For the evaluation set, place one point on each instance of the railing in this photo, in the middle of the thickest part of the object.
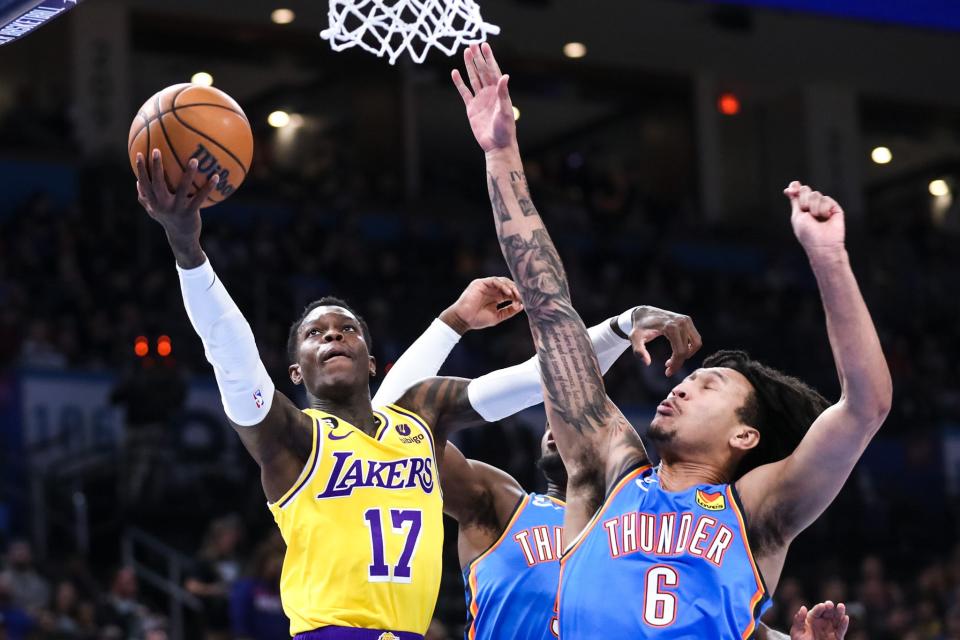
(167, 580)
(46, 513)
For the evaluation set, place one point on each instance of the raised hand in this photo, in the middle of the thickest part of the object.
(485, 302)
(177, 212)
(824, 622)
(817, 219)
(487, 99)
(651, 322)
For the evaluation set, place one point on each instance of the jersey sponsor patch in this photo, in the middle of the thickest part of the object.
(711, 501)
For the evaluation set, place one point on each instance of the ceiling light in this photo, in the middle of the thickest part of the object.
(939, 188)
(574, 49)
(282, 16)
(278, 119)
(881, 155)
(202, 78)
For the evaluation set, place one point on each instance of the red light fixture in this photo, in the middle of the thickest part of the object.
(141, 346)
(728, 104)
(164, 346)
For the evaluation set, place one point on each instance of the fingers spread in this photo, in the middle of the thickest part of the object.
(487, 52)
(201, 196)
(468, 59)
(186, 182)
(461, 87)
(487, 77)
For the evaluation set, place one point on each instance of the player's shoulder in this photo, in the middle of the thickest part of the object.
(398, 413)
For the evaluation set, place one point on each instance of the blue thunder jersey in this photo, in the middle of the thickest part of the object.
(511, 587)
(658, 564)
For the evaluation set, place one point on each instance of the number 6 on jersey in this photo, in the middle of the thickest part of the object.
(407, 521)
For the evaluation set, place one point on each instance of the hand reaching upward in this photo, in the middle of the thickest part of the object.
(824, 622)
(486, 302)
(487, 99)
(817, 219)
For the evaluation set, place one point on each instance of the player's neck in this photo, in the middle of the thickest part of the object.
(354, 408)
(556, 491)
(679, 475)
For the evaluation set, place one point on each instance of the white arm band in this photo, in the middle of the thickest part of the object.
(422, 359)
(503, 393)
(245, 388)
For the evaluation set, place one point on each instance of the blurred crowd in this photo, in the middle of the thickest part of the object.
(236, 586)
(78, 283)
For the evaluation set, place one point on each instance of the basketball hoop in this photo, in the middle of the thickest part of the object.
(390, 27)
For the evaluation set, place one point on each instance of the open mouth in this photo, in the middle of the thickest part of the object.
(334, 354)
(667, 408)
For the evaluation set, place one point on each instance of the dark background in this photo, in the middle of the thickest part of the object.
(377, 195)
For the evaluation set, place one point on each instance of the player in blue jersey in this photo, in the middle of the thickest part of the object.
(749, 457)
(508, 539)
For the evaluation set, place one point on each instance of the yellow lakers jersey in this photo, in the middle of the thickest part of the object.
(364, 527)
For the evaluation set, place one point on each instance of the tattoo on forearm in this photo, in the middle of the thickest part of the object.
(518, 180)
(571, 374)
(496, 199)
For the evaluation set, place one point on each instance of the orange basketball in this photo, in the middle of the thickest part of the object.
(191, 121)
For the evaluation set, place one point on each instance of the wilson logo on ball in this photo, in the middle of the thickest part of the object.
(208, 165)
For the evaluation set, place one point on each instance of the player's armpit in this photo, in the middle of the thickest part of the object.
(783, 498)
(480, 497)
(444, 404)
(280, 445)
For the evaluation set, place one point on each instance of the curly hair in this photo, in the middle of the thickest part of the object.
(780, 407)
(293, 341)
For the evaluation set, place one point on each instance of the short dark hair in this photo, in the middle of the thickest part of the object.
(326, 301)
(780, 407)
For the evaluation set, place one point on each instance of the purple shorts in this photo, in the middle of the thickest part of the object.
(353, 633)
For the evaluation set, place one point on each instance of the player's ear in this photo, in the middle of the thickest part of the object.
(296, 376)
(745, 438)
(373, 367)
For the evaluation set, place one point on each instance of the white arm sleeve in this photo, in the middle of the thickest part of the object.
(245, 388)
(422, 359)
(503, 393)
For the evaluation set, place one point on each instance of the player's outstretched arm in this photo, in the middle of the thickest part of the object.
(486, 302)
(593, 437)
(273, 430)
(787, 496)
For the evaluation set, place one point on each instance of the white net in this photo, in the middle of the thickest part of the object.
(390, 27)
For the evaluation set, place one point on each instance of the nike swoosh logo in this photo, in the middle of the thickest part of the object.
(334, 436)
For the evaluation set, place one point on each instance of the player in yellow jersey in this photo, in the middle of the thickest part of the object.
(354, 490)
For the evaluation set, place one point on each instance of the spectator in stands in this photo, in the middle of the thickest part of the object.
(256, 612)
(216, 569)
(151, 394)
(28, 588)
(63, 621)
(121, 615)
(15, 623)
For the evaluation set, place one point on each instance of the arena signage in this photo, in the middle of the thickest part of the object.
(19, 17)
(937, 14)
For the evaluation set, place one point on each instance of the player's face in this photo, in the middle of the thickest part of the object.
(701, 413)
(332, 354)
(547, 445)
(550, 462)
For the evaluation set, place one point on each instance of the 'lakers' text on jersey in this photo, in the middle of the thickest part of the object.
(680, 559)
(363, 527)
(512, 586)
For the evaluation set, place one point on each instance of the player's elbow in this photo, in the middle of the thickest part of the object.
(869, 413)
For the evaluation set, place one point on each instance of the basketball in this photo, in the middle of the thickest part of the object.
(189, 121)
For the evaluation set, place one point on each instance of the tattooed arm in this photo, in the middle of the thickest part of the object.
(596, 441)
